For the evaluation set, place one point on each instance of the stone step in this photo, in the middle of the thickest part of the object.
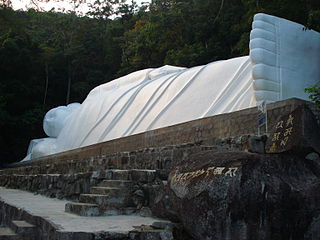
(89, 210)
(8, 234)
(123, 211)
(116, 183)
(136, 175)
(110, 191)
(149, 232)
(23, 227)
(142, 175)
(105, 201)
(83, 209)
(117, 174)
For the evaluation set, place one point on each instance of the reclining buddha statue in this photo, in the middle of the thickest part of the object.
(284, 59)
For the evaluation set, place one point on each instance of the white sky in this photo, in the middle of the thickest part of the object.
(59, 5)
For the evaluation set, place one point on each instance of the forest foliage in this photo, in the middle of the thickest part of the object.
(49, 59)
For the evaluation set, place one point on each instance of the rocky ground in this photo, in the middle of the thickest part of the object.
(239, 195)
(235, 188)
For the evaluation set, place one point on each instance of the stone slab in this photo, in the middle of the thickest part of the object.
(22, 224)
(8, 234)
(104, 201)
(5, 231)
(83, 209)
(23, 227)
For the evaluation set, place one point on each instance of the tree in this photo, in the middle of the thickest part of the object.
(5, 4)
(314, 94)
(20, 91)
(46, 56)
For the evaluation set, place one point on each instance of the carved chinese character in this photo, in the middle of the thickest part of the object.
(209, 171)
(176, 178)
(284, 141)
(290, 120)
(198, 173)
(279, 124)
(273, 147)
(288, 131)
(276, 136)
(231, 172)
(184, 176)
(218, 170)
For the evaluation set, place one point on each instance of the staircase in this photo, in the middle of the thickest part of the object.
(18, 230)
(113, 196)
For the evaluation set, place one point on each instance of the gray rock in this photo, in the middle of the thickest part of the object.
(313, 156)
(238, 195)
(256, 144)
(145, 212)
(139, 193)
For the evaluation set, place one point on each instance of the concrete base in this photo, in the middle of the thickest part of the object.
(52, 222)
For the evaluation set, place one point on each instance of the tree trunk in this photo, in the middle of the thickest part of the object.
(47, 84)
(69, 84)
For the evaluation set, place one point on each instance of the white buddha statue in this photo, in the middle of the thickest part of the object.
(284, 60)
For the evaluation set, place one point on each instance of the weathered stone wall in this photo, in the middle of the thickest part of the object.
(67, 186)
(147, 158)
(71, 178)
(70, 186)
(153, 145)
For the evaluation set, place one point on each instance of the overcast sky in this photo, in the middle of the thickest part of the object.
(57, 4)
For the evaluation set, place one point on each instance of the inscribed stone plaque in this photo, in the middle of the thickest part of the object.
(297, 130)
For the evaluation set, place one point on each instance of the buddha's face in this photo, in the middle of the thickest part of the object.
(55, 119)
